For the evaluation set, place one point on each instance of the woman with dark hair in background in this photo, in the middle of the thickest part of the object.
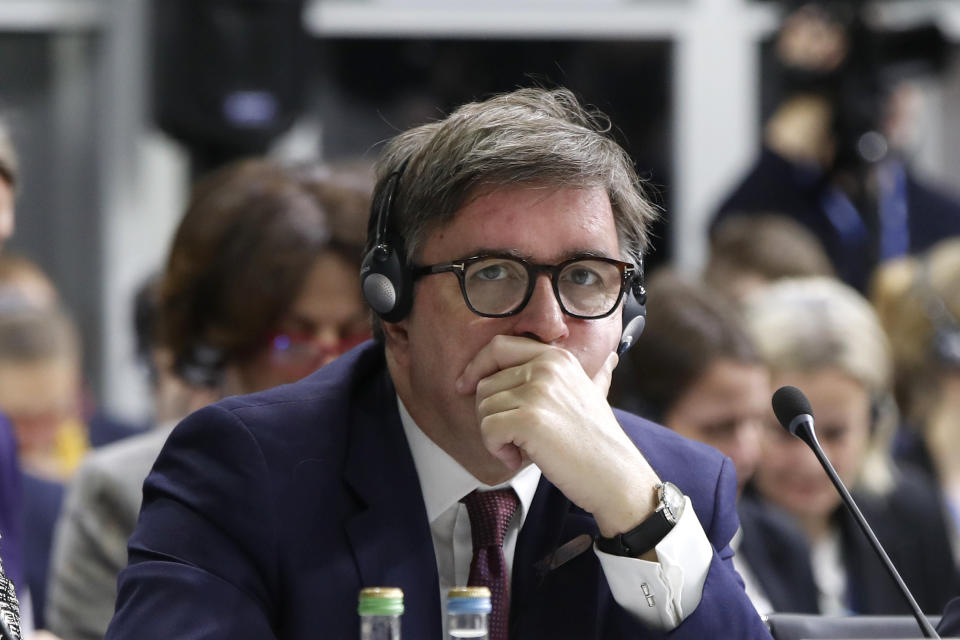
(256, 293)
(695, 370)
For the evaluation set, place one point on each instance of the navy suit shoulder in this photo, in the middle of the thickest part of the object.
(265, 514)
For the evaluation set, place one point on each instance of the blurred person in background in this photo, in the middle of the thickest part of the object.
(821, 336)
(696, 370)
(40, 389)
(748, 252)
(918, 302)
(11, 500)
(836, 146)
(40, 392)
(257, 292)
(23, 283)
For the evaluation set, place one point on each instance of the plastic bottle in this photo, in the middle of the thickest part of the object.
(468, 609)
(380, 609)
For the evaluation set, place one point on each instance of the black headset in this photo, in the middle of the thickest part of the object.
(387, 281)
(385, 278)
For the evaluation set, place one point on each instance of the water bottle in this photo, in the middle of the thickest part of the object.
(467, 611)
(380, 609)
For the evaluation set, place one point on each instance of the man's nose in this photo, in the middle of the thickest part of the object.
(542, 319)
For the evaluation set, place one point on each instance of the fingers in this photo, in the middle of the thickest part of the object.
(510, 455)
(603, 377)
(498, 437)
(501, 353)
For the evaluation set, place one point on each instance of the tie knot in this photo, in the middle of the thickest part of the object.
(490, 513)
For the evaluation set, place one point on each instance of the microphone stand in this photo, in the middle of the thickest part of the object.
(806, 433)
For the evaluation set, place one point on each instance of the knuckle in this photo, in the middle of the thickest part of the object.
(483, 406)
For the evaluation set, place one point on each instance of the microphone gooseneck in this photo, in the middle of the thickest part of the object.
(795, 414)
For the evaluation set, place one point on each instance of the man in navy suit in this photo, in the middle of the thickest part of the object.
(503, 243)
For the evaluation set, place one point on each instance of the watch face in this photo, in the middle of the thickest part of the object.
(673, 501)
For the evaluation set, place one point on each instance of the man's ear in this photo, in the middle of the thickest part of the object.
(397, 341)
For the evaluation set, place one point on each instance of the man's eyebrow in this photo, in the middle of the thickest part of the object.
(514, 253)
(584, 253)
(500, 251)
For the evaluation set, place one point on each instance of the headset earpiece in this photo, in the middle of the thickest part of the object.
(201, 366)
(946, 326)
(386, 282)
(385, 279)
(634, 313)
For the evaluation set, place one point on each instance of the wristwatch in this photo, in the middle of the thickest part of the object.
(646, 535)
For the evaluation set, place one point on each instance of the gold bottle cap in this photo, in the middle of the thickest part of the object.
(382, 601)
(469, 592)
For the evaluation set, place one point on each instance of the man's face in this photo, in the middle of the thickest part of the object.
(430, 349)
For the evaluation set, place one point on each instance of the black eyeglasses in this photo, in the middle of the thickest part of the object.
(496, 286)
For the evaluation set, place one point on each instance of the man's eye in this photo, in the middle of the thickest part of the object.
(497, 271)
(493, 272)
(582, 277)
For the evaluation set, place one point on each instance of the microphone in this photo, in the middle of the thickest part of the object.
(793, 411)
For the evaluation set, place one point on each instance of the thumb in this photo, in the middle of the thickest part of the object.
(605, 374)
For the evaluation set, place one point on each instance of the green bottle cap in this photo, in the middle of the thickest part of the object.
(380, 601)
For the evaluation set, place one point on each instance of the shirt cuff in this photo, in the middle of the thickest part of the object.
(662, 594)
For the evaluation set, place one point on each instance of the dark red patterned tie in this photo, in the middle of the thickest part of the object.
(490, 513)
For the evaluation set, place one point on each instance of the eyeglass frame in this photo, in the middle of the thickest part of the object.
(629, 274)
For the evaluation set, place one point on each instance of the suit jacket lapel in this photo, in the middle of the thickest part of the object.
(389, 534)
(552, 522)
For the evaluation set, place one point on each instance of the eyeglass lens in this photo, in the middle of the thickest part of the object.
(586, 287)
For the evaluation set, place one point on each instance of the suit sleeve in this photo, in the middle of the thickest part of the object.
(200, 556)
(724, 605)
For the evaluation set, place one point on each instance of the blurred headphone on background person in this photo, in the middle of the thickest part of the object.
(202, 365)
(946, 326)
(387, 280)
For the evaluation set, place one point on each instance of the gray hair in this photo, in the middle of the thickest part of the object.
(528, 137)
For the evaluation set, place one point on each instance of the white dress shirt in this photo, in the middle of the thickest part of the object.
(830, 574)
(661, 594)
